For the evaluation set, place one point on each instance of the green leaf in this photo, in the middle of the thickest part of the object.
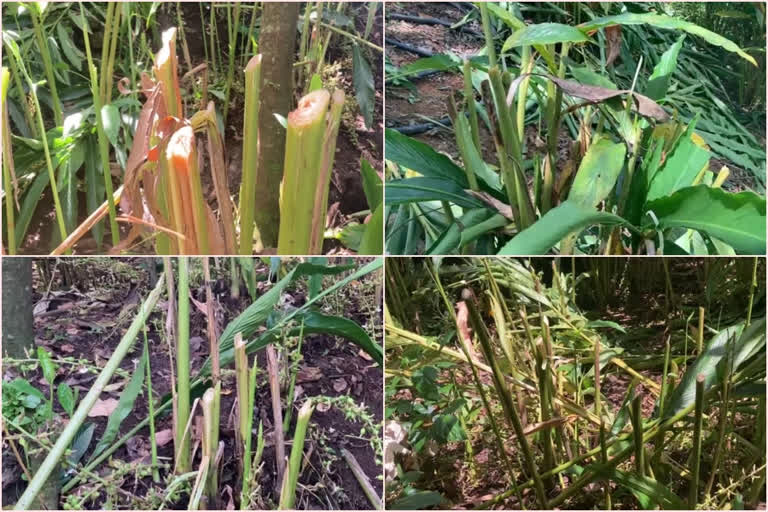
(72, 52)
(110, 117)
(29, 205)
(736, 219)
(362, 78)
(446, 428)
(22, 386)
(747, 342)
(417, 500)
(597, 173)
(544, 33)
(558, 223)
(81, 442)
(250, 320)
(439, 62)
(373, 237)
(681, 168)
(658, 82)
(67, 183)
(419, 157)
(667, 22)
(605, 323)
(506, 16)
(647, 490)
(66, 397)
(94, 186)
(351, 235)
(124, 407)
(372, 185)
(46, 365)
(474, 161)
(416, 190)
(473, 224)
(425, 383)
(315, 84)
(587, 75)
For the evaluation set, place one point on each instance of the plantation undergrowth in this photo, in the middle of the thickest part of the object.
(612, 128)
(79, 437)
(575, 383)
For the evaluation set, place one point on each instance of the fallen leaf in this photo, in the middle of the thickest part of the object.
(323, 407)
(103, 408)
(362, 353)
(339, 385)
(164, 437)
(613, 39)
(309, 374)
(67, 348)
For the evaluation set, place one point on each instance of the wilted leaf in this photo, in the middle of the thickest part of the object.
(103, 408)
(613, 42)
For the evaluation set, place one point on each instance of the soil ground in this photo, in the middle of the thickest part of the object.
(80, 316)
(355, 141)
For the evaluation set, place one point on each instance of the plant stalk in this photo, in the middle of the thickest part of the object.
(182, 446)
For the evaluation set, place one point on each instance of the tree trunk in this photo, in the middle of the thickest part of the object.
(18, 331)
(277, 45)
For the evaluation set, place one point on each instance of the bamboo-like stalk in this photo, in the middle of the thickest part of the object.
(232, 33)
(43, 138)
(604, 459)
(22, 97)
(723, 420)
(277, 411)
(151, 408)
(189, 207)
(210, 440)
(752, 289)
(693, 494)
(42, 44)
(250, 154)
(166, 71)
(637, 433)
(466, 356)
(109, 52)
(490, 47)
(8, 171)
(102, 136)
(300, 79)
(659, 443)
(310, 146)
(86, 404)
(700, 334)
(505, 396)
(292, 386)
(545, 389)
(182, 442)
(291, 478)
(245, 415)
(362, 479)
(212, 483)
(469, 97)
